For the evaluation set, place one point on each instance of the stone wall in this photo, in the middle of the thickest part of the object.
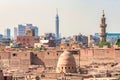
(23, 59)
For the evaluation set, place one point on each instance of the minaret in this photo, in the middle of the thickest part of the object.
(103, 26)
(57, 24)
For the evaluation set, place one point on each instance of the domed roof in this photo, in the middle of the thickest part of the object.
(66, 58)
(66, 62)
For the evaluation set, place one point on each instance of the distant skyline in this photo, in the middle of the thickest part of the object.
(76, 16)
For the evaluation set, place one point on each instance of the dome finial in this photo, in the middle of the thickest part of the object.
(103, 13)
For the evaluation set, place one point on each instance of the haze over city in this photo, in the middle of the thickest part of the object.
(76, 16)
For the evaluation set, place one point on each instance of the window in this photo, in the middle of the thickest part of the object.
(57, 54)
(68, 67)
(67, 44)
(14, 54)
(62, 67)
(48, 53)
(72, 67)
(35, 54)
(65, 67)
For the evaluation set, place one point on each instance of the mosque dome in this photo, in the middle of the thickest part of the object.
(66, 63)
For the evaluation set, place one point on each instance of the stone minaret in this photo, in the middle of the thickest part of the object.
(103, 26)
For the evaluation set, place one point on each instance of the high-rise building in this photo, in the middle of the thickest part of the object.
(21, 30)
(7, 33)
(1, 37)
(35, 30)
(50, 36)
(15, 33)
(57, 25)
(103, 26)
(30, 32)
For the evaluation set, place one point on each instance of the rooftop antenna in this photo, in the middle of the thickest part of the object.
(57, 10)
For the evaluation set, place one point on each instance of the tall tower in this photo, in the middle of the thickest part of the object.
(15, 32)
(103, 26)
(57, 25)
(8, 33)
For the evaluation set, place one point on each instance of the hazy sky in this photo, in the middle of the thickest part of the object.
(76, 16)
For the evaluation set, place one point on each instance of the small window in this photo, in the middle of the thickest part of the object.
(14, 54)
(48, 53)
(57, 54)
(35, 54)
(62, 67)
(68, 67)
(67, 44)
(72, 67)
(65, 67)
(31, 52)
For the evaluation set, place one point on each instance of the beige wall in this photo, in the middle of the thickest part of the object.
(50, 57)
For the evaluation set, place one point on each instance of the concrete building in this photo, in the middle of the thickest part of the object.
(29, 39)
(1, 37)
(30, 32)
(22, 28)
(49, 36)
(7, 33)
(57, 25)
(15, 33)
(103, 26)
(36, 30)
(93, 40)
(111, 37)
(81, 39)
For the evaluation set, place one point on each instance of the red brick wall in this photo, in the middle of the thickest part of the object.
(28, 40)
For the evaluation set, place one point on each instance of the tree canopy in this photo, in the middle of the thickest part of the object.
(118, 42)
(104, 44)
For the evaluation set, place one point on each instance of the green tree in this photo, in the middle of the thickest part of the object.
(104, 44)
(1, 49)
(118, 42)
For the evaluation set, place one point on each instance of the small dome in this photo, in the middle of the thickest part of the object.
(66, 63)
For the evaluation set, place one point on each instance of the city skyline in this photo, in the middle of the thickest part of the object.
(76, 16)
